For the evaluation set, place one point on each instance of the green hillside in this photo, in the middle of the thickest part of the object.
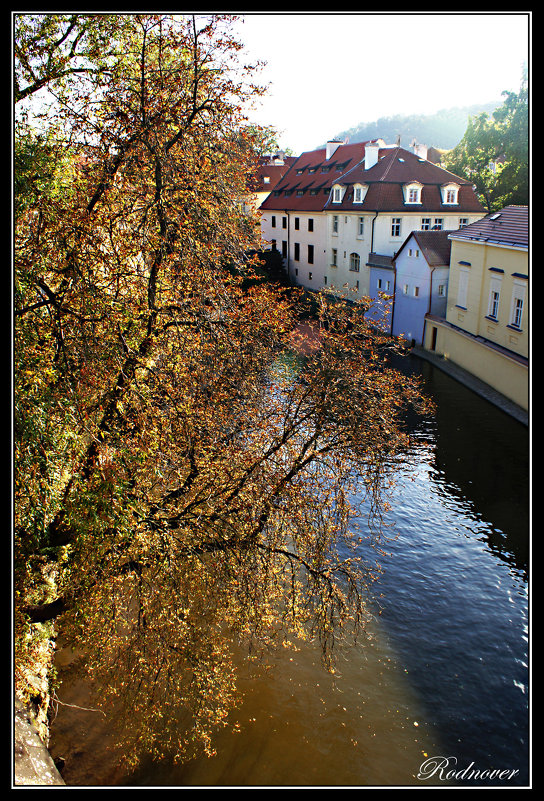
(442, 130)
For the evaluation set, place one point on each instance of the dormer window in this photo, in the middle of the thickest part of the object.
(412, 192)
(337, 193)
(359, 192)
(450, 194)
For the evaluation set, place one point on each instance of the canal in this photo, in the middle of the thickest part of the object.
(440, 689)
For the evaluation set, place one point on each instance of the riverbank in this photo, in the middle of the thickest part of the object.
(33, 764)
(471, 382)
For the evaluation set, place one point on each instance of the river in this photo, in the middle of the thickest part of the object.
(440, 690)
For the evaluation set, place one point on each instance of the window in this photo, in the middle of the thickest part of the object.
(494, 303)
(412, 192)
(266, 179)
(354, 262)
(335, 224)
(297, 252)
(284, 249)
(405, 289)
(273, 244)
(310, 254)
(336, 194)
(416, 292)
(517, 312)
(297, 223)
(310, 276)
(426, 224)
(284, 222)
(361, 226)
(441, 289)
(494, 297)
(383, 285)
(462, 289)
(300, 192)
(438, 223)
(273, 221)
(463, 221)
(395, 226)
(450, 193)
(359, 193)
(310, 224)
(334, 262)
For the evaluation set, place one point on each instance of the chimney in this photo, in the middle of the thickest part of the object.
(331, 148)
(419, 150)
(371, 154)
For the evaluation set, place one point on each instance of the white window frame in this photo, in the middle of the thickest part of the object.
(412, 193)
(359, 193)
(361, 226)
(494, 298)
(450, 194)
(337, 193)
(396, 227)
(335, 224)
(517, 305)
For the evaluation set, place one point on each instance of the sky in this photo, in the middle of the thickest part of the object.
(329, 72)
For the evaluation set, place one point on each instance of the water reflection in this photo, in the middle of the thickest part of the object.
(481, 458)
(449, 650)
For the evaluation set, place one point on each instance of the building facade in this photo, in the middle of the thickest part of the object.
(347, 204)
(421, 270)
(374, 207)
(486, 326)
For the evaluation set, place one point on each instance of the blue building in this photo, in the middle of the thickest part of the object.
(381, 290)
(421, 269)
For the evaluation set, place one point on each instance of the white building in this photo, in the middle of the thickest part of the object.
(363, 201)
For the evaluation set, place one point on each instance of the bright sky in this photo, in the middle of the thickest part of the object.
(330, 72)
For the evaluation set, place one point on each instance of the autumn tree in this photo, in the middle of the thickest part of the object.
(186, 474)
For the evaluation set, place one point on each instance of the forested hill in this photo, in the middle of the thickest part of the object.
(443, 130)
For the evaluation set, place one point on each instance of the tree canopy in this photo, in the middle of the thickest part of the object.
(184, 472)
(494, 152)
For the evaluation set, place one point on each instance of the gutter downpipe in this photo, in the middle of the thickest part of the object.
(288, 243)
(372, 235)
(428, 309)
(394, 293)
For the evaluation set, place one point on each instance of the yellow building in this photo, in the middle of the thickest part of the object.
(486, 329)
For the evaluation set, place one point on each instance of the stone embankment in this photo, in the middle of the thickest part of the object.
(32, 763)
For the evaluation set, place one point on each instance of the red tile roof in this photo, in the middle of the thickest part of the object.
(435, 246)
(509, 226)
(305, 187)
(395, 168)
(274, 172)
(311, 176)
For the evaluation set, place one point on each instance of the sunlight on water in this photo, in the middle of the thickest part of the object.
(446, 669)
